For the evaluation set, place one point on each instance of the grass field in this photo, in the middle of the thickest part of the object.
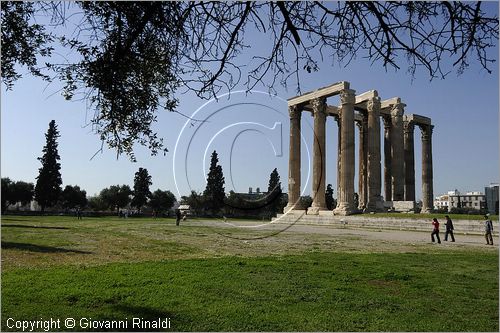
(112, 269)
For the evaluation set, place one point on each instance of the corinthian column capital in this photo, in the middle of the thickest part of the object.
(426, 132)
(294, 112)
(347, 96)
(408, 127)
(373, 104)
(397, 110)
(319, 106)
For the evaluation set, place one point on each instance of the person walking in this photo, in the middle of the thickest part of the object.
(449, 229)
(488, 230)
(435, 231)
(177, 217)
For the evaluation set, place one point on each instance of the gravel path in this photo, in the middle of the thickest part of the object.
(397, 236)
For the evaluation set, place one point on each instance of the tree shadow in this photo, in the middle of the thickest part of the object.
(147, 316)
(31, 226)
(39, 248)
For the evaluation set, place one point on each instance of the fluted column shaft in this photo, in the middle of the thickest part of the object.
(319, 156)
(363, 155)
(345, 204)
(294, 159)
(387, 159)
(427, 176)
(409, 128)
(339, 157)
(397, 143)
(374, 201)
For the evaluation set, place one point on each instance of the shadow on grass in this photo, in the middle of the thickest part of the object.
(39, 248)
(30, 226)
(147, 316)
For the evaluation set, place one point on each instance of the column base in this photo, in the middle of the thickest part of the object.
(315, 210)
(376, 206)
(344, 209)
(292, 208)
(426, 211)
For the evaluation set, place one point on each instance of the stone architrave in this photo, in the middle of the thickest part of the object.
(427, 176)
(409, 129)
(374, 202)
(397, 144)
(294, 159)
(362, 159)
(319, 157)
(345, 202)
(387, 159)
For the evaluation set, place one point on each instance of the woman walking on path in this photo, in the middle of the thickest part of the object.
(435, 231)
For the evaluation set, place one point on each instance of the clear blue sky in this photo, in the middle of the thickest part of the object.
(247, 129)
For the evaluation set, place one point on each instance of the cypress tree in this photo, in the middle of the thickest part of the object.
(330, 202)
(214, 192)
(274, 192)
(49, 181)
(142, 181)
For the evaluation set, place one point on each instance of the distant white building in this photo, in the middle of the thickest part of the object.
(454, 199)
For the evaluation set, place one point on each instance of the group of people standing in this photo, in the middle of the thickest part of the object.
(488, 230)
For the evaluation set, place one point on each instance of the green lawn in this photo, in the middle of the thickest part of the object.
(112, 269)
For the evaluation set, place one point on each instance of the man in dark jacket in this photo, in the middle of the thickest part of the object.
(449, 229)
(488, 230)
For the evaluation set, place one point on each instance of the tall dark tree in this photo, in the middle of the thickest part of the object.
(274, 193)
(329, 197)
(6, 193)
(73, 196)
(214, 191)
(49, 181)
(116, 196)
(142, 182)
(141, 52)
(161, 201)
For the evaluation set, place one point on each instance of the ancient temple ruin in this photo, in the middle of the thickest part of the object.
(365, 111)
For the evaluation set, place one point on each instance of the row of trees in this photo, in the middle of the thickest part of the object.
(213, 201)
(48, 191)
(118, 197)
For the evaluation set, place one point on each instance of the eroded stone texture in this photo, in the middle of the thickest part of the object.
(345, 201)
(294, 158)
(319, 156)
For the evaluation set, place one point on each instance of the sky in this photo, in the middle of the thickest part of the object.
(250, 132)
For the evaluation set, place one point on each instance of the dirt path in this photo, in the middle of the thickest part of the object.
(366, 234)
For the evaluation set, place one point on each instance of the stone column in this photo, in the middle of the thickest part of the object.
(387, 159)
(409, 128)
(427, 177)
(319, 157)
(397, 143)
(363, 155)
(374, 202)
(337, 119)
(345, 202)
(294, 159)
